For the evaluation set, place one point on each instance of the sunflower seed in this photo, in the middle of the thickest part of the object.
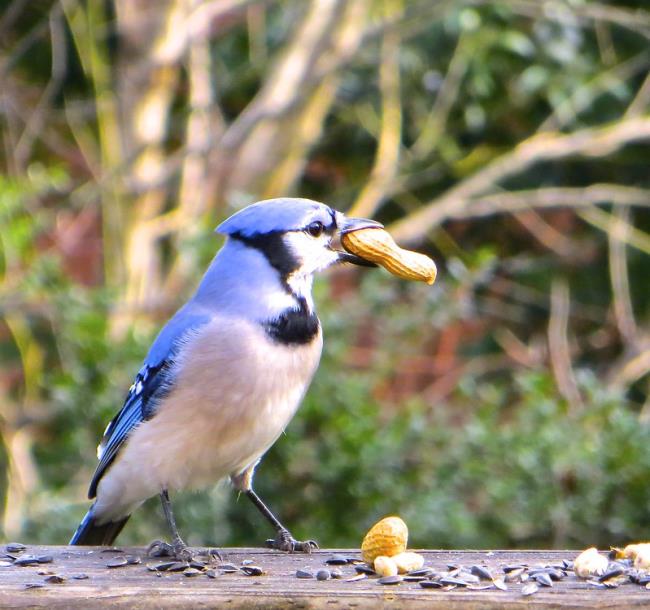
(45, 559)
(529, 589)
(118, 562)
(357, 577)
(178, 566)
(514, 575)
(455, 582)
(15, 547)
(190, 572)
(612, 572)
(80, 576)
(26, 560)
(6, 564)
(228, 568)
(132, 560)
(212, 573)
(336, 573)
(499, 583)
(323, 575)
(247, 562)
(34, 585)
(362, 568)
(390, 580)
(197, 565)
(56, 579)
(304, 574)
(162, 567)
(482, 572)
(421, 572)
(543, 579)
(430, 584)
(408, 578)
(252, 570)
(337, 560)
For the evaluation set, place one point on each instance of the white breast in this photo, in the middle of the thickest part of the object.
(235, 392)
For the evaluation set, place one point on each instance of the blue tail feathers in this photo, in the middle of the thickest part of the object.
(90, 533)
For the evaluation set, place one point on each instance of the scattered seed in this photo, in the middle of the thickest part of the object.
(514, 575)
(543, 579)
(362, 568)
(430, 584)
(390, 580)
(212, 574)
(482, 572)
(34, 585)
(421, 572)
(190, 572)
(468, 577)
(595, 583)
(113, 549)
(613, 571)
(162, 567)
(178, 566)
(247, 562)
(15, 547)
(6, 564)
(499, 583)
(80, 576)
(454, 582)
(197, 565)
(529, 589)
(118, 562)
(56, 579)
(228, 568)
(252, 570)
(132, 560)
(567, 564)
(26, 560)
(304, 574)
(336, 573)
(408, 578)
(337, 560)
(323, 575)
(512, 567)
(44, 572)
(45, 559)
(357, 577)
(482, 587)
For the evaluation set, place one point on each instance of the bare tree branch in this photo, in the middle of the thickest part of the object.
(595, 142)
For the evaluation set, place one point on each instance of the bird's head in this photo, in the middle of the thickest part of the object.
(295, 235)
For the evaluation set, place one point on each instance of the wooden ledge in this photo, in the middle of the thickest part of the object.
(137, 586)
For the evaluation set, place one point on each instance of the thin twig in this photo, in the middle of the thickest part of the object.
(558, 344)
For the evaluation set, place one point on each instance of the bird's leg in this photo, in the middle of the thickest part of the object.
(177, 548)
(283, 540)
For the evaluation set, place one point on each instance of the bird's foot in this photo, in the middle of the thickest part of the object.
(284, 541)
(178, 550)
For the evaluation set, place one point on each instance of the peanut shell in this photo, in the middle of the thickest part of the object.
(386, 537)
(377, 246)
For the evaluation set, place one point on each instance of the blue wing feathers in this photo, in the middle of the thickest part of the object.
(152, 383)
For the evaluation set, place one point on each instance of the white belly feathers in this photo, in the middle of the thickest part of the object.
(234, 394)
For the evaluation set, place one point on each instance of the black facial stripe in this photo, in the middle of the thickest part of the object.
(275, 249)
(294, 326)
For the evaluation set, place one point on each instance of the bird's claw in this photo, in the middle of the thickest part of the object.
(179, 550)
(284, 541)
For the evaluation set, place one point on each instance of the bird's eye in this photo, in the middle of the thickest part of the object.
(315, 229)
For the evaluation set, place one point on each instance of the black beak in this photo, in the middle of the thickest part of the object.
(354, 224)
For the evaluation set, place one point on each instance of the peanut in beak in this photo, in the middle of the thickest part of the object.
(377, 245)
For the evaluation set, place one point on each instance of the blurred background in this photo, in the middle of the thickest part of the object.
(507, 406)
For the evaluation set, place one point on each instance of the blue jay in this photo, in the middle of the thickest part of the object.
(225, 375)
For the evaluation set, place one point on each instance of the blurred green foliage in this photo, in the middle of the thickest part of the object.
(445, 405)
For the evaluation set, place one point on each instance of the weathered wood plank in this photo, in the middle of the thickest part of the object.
(135, 586)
